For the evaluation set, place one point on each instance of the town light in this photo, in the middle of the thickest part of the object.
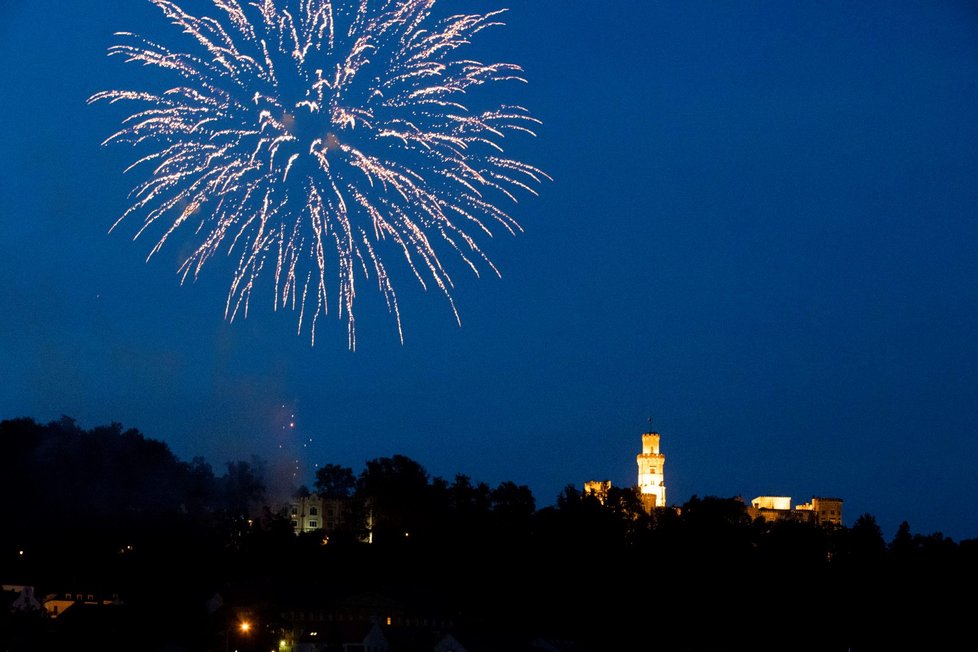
(243, 627)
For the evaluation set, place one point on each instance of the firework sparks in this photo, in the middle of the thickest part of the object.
(307, 135)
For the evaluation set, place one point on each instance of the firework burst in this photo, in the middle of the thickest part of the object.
(305, 135)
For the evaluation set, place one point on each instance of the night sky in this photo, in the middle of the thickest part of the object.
(761, 232)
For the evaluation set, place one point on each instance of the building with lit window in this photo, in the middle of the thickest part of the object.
(827, 511)
(820, 511)
(314, 513)
(306, 514)
(651, 476)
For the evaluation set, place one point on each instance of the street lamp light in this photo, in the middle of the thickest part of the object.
(243, 627)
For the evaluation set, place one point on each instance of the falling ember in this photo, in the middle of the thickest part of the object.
(303, 136)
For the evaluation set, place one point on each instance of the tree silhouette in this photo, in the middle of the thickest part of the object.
(335, 481)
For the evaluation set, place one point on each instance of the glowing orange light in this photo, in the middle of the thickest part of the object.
(245, 627)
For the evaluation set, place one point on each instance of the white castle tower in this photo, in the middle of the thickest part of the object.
(651, 480)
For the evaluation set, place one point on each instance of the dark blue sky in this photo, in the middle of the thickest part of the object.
(762, 231)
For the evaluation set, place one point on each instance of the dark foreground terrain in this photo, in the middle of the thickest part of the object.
(109, 542)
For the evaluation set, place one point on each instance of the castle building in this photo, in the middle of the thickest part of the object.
(820, 511)
(598, 488)
(651, 479)
(651, 489)
(826, 510)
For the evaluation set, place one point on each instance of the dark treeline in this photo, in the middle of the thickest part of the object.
(116, 512)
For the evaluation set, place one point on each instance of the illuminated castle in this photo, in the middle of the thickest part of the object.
(651, 480)
(821, 511)
(651, 489)
(598, 488)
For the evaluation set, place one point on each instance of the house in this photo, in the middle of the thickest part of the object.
(313, 513)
